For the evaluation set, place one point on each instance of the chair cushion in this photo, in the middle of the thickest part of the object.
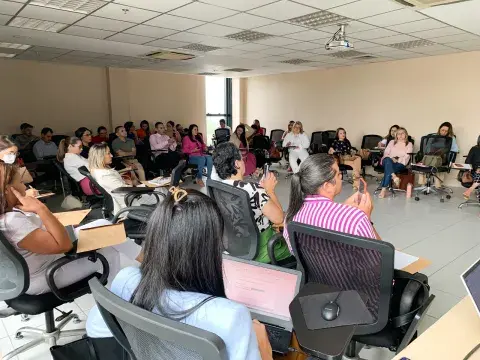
(388, 337)
(38, 304)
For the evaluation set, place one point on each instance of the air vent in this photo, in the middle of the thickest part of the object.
(346, 54)
(200, 47)
(411, 44)
(365, 57)
(319, 19)
(207, 73)
(248, 36)
(295, 61)
(237, 70)
(169, 55)
(427, 3)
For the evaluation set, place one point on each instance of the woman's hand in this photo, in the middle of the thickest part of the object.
(289, 144)
(269, 183)
(331, 151)
(32, 192)
(262, 339)
(28, 203)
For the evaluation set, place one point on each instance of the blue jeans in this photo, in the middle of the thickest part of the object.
(390, 168)
(201, 162)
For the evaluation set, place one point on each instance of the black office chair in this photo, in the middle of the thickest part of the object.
(276, 136)
(329, 137)
(317, 142)
(69, 185)
(241, 236)
(369, 142)
(15, 281)
(436, 146)
(365, 265)
(222, 135)
(146, 336)
(57, 138)
(473, 158)
(260, 147)
(177, 172)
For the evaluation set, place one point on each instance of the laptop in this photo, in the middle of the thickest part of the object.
(471, 280)
(267, 291)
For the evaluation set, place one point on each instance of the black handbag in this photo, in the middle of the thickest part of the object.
(90, 349)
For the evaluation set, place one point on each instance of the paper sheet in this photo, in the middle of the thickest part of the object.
(458, 166)
(72, 217)
(100, 237)
(402, 260)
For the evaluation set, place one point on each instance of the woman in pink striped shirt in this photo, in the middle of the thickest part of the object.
(163, 148)
(196, 150)
(395, 158)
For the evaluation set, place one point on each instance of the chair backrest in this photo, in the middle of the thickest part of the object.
(148, 336)
(276, 135)
(437, 145)
(108, 206)
(348, 263)
(57, 138)
(73, 184)
(177, 173)
(371, 141)
(329, 137)
(241, 234)
(317, 141)
(264, 130)
(260, 142)
(222, 135)
(14, 275)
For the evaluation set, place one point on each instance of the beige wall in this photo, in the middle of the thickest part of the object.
(65, 97)
(418, 94)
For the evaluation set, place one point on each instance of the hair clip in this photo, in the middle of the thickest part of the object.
(177, 193)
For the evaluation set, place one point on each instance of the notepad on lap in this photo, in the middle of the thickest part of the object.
(100, 237)
(71, 217)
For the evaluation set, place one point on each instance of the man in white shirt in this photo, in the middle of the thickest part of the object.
(45, 147)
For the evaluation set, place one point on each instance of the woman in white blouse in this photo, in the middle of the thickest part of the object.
(297, 143)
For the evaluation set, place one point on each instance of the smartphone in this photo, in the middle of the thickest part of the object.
(266, 169)
(361, 189)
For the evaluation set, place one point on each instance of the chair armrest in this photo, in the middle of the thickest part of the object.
(133, 189)
(53, 267)
(133, 209)
(271, 247)
(129, 198)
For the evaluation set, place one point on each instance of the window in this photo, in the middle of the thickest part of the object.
(218, 98)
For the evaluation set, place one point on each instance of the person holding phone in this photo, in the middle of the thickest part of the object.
(395, 158)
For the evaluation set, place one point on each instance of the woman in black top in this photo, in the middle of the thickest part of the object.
(342, 147)
(473, 158)
(85, 135)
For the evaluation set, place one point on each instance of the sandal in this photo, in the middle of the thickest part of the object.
(466, 195)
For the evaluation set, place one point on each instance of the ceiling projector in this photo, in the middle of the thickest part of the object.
(339, 40)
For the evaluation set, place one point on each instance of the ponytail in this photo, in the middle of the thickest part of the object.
(62, 149)
(297, 197)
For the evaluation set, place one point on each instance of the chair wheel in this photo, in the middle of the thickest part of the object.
(449, 197)
(417, 198)
(18, 336)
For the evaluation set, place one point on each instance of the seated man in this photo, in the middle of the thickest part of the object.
(45, 147)
(102, 135)
(26, 138)
(123, 146)
(266, 208)
(313, 190)
(223, 125)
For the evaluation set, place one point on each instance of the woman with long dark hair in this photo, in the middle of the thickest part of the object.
(342, 148)
(196, 149)
(389, 137)
(239, 139)
(85, 135)
(144, 131)
(181, 276)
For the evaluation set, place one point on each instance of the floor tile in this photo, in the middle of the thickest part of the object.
(442, 303)
(86, 302)
(6, 346)
(426, 323)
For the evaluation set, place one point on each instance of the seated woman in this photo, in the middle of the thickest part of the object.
(297, 142)
(473, 158)
(196, 149)
(69, 153)
(172, 132)
(99, 163)
(41, 239)
(102, 135)
(163, 147)
(289, 129)
(181, 277)
(85, 135)
(395, 158)
(391, 136)
(239, 139)
(259, 127)
(263, 200)
(9, 155)
(144, 132)
(341, 146)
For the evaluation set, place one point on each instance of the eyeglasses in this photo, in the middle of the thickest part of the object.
(87, 134)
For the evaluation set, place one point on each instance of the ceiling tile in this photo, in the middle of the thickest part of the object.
(430, 49)
(245, 21)
(251, 47)
(186, 37)
(155, 5)
(298, 54)
(276, 58)
(205, 12)
(125, 13)
(169, 44)
(240, 5)
(43, 13)
(88, 54)
(174, 22)
(415, 26)
(434, 33)
(87, 32)
(446, 51)
(282, 10)
(131, 39)
(226, 52)
(104, 24)
(324, 4)
(309, 35)
(378, 49)
(276, 41)
(220, 42)
(393, 39)
(280, 29)
(394, 18)
(363, 45)
(365, 8)
(305, 46)
(4, 19)
(44, 49)
(9, 8)
(151, 31)
(455, 38)
(467, 45)
(214, 29)
(276, 51)
(253, 55)
(33, 55)
(374, 34)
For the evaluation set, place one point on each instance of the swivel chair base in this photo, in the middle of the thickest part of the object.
(392, 190)
(48, 336)
(468, 203)
(428, 189)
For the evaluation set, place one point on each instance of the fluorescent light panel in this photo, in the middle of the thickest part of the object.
(200, 47)
(3, 55)
(411, 44)
(318, 19)
(35, 24)
(78, 6)
(346, 54)
(248, 36)
(295, 61)
(14, 46)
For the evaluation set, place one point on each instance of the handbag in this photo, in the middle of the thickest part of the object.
(432, 160)
(89, 349)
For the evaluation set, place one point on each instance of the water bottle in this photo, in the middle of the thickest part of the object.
(409, 190)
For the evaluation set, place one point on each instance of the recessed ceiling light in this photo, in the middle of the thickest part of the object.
(3, 55)
(248, 36)
(169, 55)
(79, 6)
(319, 18)
(14, 46)
(295, 61)
(207, 73)
(346, 54)
(35, 24)
(411, 44)
(200, 47)
(236, 70)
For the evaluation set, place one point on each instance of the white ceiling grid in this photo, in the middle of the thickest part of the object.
(120, 32)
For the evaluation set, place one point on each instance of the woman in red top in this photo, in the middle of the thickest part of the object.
(260, 130)
(194, 146)
(102, 135)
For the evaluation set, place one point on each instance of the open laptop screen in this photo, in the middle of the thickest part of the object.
(471, 279)
(260, 287)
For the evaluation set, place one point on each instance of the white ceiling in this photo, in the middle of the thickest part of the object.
(119, 33)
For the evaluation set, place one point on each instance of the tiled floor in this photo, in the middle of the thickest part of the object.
(437, 231)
